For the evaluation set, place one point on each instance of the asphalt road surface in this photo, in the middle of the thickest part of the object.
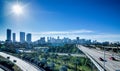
(25, 66)
(110, 65)
(1, 69)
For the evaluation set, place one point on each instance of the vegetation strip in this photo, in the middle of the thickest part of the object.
(8, 64)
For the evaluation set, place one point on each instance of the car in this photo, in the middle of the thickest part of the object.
(14, 61)
(8, 57)
(112, 58)
(101, 59)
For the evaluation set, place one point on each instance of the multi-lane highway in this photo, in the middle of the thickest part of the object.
(110, 65)
(25, 66)
(1, 69)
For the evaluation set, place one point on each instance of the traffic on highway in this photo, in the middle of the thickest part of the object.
(25, 66)
(109, 63)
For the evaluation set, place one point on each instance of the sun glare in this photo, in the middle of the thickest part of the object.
(17, 9)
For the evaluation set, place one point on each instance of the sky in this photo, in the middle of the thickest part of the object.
(89, 19)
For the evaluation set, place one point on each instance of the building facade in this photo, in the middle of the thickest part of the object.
(22, 37)
(28, 37)
(14, 37)
(8, 34)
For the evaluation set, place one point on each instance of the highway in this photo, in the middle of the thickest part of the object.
(25, 66)
(1, 69)
(110, 65)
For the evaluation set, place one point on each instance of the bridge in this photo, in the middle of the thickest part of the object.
(94, 55)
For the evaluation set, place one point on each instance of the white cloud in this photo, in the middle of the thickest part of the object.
(64, 32)
(86, 34)
(102, 37)
(2, 38)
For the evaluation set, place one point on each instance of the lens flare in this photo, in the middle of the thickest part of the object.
(17, 9)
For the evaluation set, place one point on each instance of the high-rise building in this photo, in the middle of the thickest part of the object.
(28, 37)
(22, 37)
(77, 40)
(48, 39)
(58, 37)
(8, 34)
(42, 40)
(58, 40)
(14, 37)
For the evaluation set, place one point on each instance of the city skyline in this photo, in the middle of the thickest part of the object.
(23, 37)
(27, 37)
(96, 20)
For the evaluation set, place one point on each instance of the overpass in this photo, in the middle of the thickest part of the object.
(94, 55)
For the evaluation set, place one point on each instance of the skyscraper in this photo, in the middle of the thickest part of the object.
(28, 37)
(42, 40)
(8, 34)
(77, 40)
(14, 37)
(22, 37)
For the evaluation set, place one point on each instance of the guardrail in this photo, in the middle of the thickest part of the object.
(4, 68)
(96, 64)
(100, 68)
(26, 61)
(33, 64)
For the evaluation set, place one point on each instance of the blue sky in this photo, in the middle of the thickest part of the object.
(92, 19)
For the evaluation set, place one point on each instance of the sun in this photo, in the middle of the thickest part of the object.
(17, 9)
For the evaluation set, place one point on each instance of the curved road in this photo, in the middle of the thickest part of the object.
(25, 66)
(110, 65)
(1, 69)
